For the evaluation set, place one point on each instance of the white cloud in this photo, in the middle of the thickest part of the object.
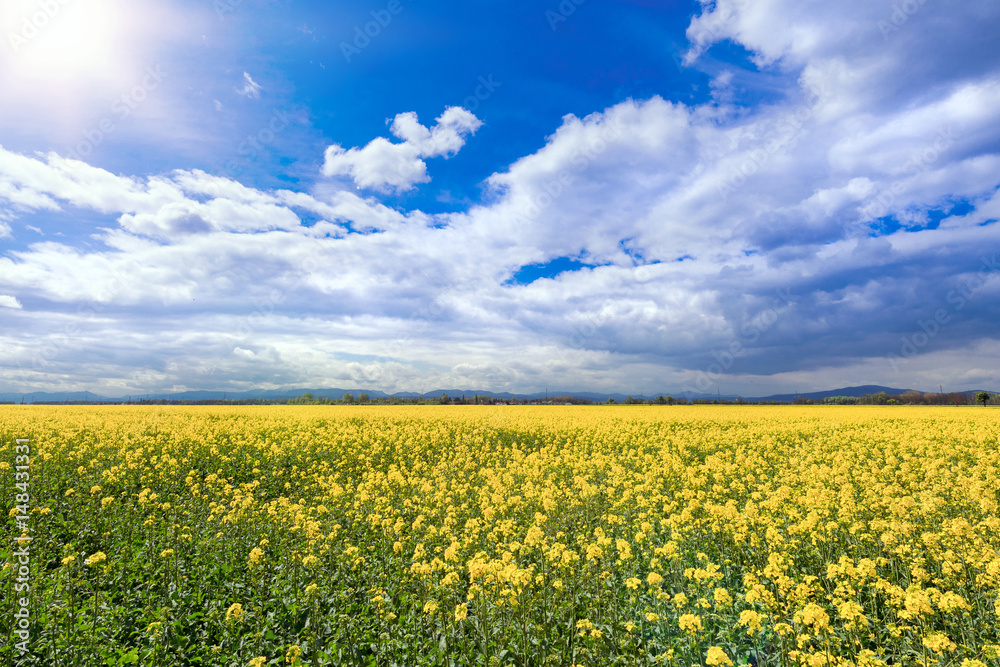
(8, 301)
(385, 166)
(251, 89)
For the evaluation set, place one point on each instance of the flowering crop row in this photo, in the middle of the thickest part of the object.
(506, 536)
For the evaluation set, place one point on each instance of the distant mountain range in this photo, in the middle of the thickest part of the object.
(336, 394)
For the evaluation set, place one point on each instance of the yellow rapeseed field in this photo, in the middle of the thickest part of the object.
(716, 535)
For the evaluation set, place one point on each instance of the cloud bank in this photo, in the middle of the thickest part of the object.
(841, 233)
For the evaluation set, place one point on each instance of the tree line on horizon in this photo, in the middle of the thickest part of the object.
(880, 398)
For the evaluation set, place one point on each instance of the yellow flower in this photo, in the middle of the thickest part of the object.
(722, 597)
(166, 553)
(96, 558)
(461, 612)
(310, 560)
(69, 492)
(154, 627)
(852, 612)
(311, 588)
(690, 623)
(716, 656)
(235, 612)
(951, 601)
(107, 501)
(680, 600)
(94, 490)
(632, 583)
(630, 626)
(939, 642)
(259, 661)
(652, 617)
(430, 607)
(751, 621)
(654, 579)
(813, 615)
(293, 653)
(255, 555)
(69, 560)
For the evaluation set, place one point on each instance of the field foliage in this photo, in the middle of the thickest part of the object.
(504, 536)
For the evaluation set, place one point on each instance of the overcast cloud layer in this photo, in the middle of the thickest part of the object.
(823, 213)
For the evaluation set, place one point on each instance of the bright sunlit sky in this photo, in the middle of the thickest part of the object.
(745, 196)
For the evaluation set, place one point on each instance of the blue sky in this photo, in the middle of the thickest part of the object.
(746, 197)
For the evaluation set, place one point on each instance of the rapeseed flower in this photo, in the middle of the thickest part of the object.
(717, 656)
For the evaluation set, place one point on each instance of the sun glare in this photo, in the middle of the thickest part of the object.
(63, 41)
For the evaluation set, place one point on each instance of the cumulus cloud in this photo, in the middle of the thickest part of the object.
(386, 166)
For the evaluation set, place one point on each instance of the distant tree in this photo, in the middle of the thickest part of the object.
(348, 398)
(444, 400)
(661, 400)
(363, 398)
(611, 401)
(983, 398)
